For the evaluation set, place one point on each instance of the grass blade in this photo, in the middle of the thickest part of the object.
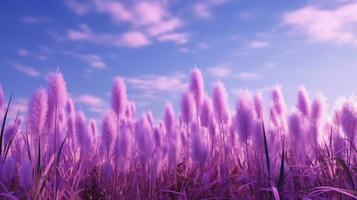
(282, 168)
(266, 150)
(3, 124)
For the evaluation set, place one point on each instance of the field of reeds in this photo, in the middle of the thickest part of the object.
(205, 150)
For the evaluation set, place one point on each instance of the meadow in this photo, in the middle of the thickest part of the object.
(205, 150)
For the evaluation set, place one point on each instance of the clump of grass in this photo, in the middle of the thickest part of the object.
(206, 151)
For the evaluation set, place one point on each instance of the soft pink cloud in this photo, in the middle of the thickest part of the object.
(115, 9)
(158, 83)
(148, 20)
(89, 100)
(149, 13)
(83, 34)
(337, 24)
(258, 44)
(164, 26)
(133, 39)
(203, 8)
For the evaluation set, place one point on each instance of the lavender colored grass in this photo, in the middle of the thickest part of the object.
(206, 151)
(119, 98)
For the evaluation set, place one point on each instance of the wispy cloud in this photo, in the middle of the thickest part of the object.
(133, 39)
(89, 100)
(220, 71)
(29, 19)
(337, 24)
(30, 71)
(258, 44)
(248, 76)
(148, 20)
(158, 83)
(24, 52)
(203, 8)
(93, 60)
(79, 8)
(178, 38)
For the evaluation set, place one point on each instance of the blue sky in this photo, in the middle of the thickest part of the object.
(249, 44)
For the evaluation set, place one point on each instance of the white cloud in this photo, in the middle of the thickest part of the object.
(248, 76)
(258, 44)
(30, 71)
(338, 24)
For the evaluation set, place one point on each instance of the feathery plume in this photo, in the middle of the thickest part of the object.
(187, 107)
(119, 97)
(108, 132)
(169, 118)
(258, 105)
(220, 99)
(303, 101)
(348, 120)
(196, 86)
(206, 114)
(244, 115)
(278, 101)
(83, 138)
(37, 111)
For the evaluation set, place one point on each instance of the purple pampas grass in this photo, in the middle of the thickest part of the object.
(295, 130)
(220, 100)
(196, 86)
(278, 100)
(199, 150)
(25, 174)
(119, 98)
(348, 120)
(70, 107)
(37, 112)
(258, 105)
(206, 112)
(244, 115)
(57, 95)
(82, 136)
(169, 118)
(295, 126)
(108, 132)
(303, 101)
(187, 107)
